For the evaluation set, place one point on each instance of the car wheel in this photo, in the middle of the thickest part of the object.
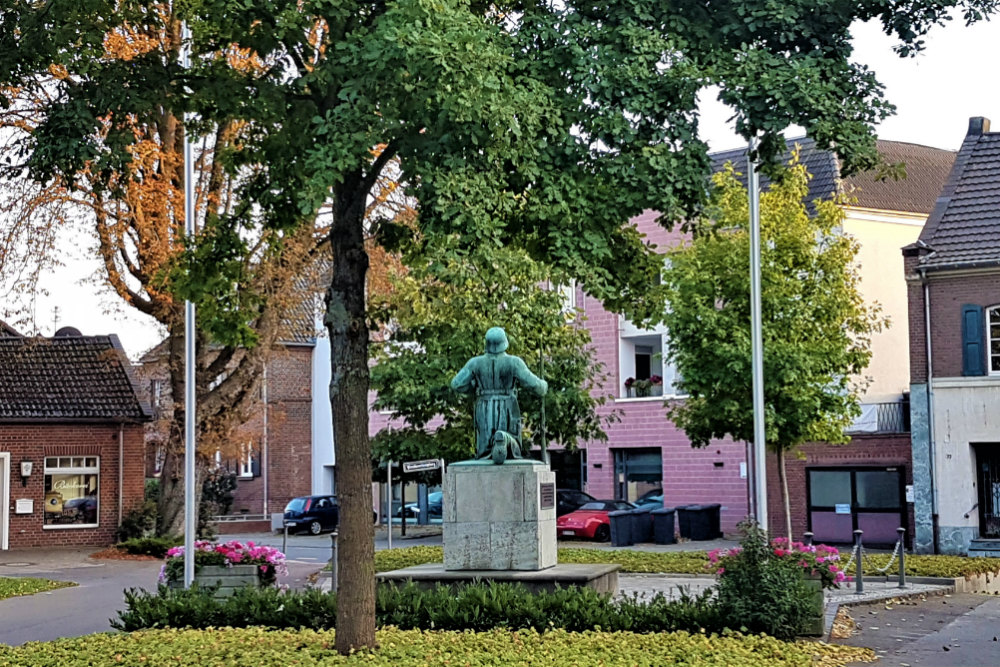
(315, 528)
(603, 533)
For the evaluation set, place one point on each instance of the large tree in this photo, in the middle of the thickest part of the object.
(540, 124)
(816, 327)
(435, 317)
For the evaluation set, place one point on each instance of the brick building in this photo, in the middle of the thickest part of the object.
(953, 277)
(646, 452)
(274, 452)
(71, 439)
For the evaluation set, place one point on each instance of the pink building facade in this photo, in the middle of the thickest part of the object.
(645, 451)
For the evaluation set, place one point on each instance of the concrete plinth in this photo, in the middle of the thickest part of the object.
(603, 578)
(493, 517)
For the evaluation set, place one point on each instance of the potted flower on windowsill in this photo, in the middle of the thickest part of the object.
(629, 386)
(227, 565)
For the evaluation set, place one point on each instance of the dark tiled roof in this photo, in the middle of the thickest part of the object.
(822, 165)
(71, 378)
(964, 229)
(7, 330)
(926, 171)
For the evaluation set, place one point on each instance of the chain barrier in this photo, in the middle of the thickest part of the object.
(892, 559)
(847, 568)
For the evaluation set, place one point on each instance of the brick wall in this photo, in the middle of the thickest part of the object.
(289, 432)
(947, 295)
(709, 475)
(35, 442)
(863, 450)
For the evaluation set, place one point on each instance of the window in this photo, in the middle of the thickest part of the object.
(71, 491)
(247, 461)
(993, 334)
(843, 500)
(638, 471)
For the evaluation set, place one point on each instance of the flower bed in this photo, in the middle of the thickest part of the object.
(269, 561)
(818, 561)
(411, 648)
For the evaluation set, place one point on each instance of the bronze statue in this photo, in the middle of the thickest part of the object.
(492, 377)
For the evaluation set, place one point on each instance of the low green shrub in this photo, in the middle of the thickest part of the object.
(760, 591)
(139, 522)
(672, 562)
(247, 607)
(15, 586)
(953, 567)
(150, 546)
(477, 607)
(415, 648)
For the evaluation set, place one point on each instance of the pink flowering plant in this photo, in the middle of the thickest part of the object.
(818, 561)
(270, 562)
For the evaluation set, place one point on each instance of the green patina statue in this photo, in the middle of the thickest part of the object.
(492, 377)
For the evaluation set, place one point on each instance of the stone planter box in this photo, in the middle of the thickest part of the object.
(228, 579)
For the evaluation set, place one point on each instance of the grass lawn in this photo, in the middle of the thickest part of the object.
(255, 647)
(13, 586)
(694, 562)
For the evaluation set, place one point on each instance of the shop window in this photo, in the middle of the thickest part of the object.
(71, 491)
(843, 500)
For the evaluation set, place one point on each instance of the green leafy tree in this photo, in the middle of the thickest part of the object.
(436, 315)
(816, 328)
(535, 124)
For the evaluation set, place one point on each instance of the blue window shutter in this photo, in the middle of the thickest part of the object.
(973, 333)
(255, 466)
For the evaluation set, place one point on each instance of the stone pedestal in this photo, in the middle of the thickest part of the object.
(493, 516)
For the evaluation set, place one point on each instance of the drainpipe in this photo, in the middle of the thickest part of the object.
(931, 445)
(121, 470)
(263, 442)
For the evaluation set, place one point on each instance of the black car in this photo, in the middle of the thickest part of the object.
(435, 506)
(312, 513)
(569, 500)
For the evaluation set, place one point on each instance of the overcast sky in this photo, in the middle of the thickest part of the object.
(935, 94)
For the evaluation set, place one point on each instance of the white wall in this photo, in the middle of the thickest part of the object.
(323, 456)
(965, 413)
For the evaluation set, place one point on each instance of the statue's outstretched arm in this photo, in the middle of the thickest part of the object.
(529, 380)
(462, 383)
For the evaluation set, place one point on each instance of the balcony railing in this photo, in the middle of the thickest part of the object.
(883, 418)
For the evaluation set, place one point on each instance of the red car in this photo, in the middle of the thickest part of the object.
(591, 520)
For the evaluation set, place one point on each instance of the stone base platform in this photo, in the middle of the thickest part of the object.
(603, 578)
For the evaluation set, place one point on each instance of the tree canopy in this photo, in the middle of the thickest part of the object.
(816, 327)
(436, 315)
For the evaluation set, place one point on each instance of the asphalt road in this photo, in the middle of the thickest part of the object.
(99, 595)
(940, 631)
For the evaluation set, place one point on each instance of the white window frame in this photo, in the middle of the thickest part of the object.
(246, 462)
(59, 469)
(990, 356)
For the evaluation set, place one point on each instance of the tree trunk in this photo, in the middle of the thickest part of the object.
(348, 329)
(783, 480)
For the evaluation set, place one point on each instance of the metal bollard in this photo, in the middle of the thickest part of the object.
(284, 540)
(333, 562)
(902, 557)
(807, 538)
(859, 575)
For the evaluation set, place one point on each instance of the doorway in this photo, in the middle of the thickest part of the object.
(4, 499)
(988, 460)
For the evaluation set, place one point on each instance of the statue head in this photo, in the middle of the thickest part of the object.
(496, 340)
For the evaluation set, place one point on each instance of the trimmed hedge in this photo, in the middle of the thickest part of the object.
(413, 648)
(15, 586)
(694, 562)
(478, 607)
(150, 546)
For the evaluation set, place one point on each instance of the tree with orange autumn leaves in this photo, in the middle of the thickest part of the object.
(136, 216)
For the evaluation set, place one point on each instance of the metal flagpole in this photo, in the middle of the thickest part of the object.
(756, 343)
(541, 374)
(190, 409)
(388, 498)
